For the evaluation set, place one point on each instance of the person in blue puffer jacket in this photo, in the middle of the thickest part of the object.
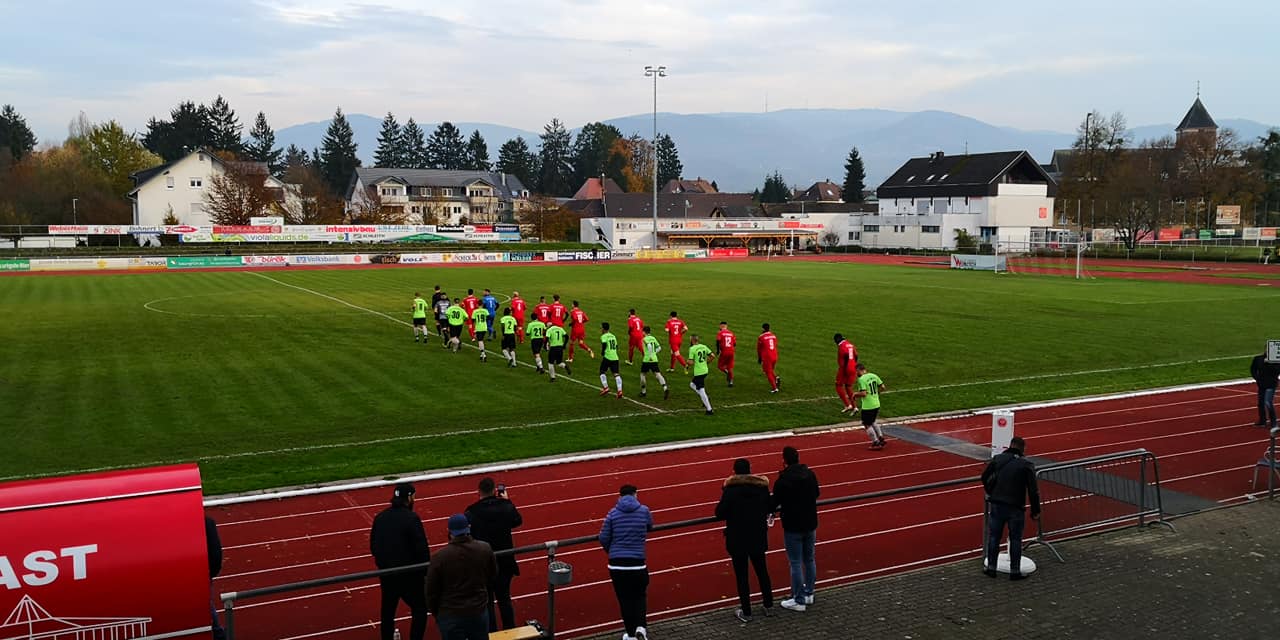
(623, 537)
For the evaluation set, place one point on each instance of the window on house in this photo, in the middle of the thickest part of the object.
(929, 229)
(929, 178)
(457, 209)
(899, 228)
(944, 177)
(922, 207)
(911, 178)
(988, 232)
(197, 207)
(168, 182)
(415, 210)
(446, 191)
(941, 206)
(200, 156)
(623, 241)
(854, 235)
(195, 183)
(871, 228)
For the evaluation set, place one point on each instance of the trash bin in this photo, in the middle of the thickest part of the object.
(559, 573)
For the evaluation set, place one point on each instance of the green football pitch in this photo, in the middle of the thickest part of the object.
(287, 377)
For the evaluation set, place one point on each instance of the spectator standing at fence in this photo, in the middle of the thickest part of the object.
(795, 493)
(623, 536)
(397, 539)
(745, 507)
(214, 545)
(458, 583)
(492, 518)
(1009, 481)
(1265, 375)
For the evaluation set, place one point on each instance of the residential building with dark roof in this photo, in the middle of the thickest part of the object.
(1003, 197)
(697, 185)
(822, 191)
(179, 188)
(450, 196)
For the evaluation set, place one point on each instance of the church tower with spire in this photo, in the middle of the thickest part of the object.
(1197, 124)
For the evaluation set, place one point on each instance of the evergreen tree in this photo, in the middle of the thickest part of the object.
(446, 149)
(593, 154)
(855, 176)
(338, 159)
(262, 145)
(515, 158)
(775, 189)
(391, 152)
(187, 129)
(669, 165)
(224, 126)
(15, 135)
(414, 144)
(477, 152)
(555, 171)
(295, 158)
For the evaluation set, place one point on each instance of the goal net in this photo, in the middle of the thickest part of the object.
(1066, 259)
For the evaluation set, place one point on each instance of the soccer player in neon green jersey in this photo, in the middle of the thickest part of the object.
(480, 320)
(419, 318)
(508, 337)
(700, 355)
(537, 332)
(457, 317)
(608, 360)
(649, 349)
(868, 396)
(556, 338)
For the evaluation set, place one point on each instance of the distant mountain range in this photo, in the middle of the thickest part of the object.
(738, 150)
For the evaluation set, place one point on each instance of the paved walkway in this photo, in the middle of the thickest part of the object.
(1217, 576)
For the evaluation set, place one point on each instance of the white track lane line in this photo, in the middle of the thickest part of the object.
(407, 324)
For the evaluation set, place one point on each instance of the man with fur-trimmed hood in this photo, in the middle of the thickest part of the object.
(746, 507)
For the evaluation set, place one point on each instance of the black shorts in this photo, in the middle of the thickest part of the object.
(555, 355)
(700, 382)
(869, 416)
(608, 365)
(455, 330)
(648, 367)
(509, 341)
(536, 345)
(419, 322)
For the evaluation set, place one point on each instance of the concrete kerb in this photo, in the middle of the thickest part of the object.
(505, 466)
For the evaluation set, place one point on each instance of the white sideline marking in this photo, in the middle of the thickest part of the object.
(399, 321)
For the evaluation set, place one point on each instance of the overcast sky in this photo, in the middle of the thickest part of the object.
(1031, 65)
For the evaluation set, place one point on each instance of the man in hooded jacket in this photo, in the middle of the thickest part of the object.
(795, 493)
(745, 506)
(623, 537)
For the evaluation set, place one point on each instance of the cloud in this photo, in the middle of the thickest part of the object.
(522, 62)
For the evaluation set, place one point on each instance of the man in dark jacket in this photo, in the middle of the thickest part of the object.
(213, 545)
(397, 539)
(795, 492)
(492, 519)
(1265, 375)
(623, 536)
(458, 584)
(745, 507)
(1009, 480)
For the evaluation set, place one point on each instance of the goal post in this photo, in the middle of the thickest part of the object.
(1045, 258)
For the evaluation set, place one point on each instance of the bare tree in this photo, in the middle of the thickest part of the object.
(547, 219)
(1138, 188)
(370, 209)
(238, 193)
(314, 202)
(1213, 170)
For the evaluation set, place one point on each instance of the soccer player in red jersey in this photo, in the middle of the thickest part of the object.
(559, 313)
(578, 330)
(542, 310)
(635, 335)
(517, 310)
(469, 304)
(726, 344)
(676, 328)
(767, 356)
(846, 372)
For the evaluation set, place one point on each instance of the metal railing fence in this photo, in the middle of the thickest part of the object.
(550, 547)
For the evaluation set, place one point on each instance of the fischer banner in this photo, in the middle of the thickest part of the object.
(118, 555)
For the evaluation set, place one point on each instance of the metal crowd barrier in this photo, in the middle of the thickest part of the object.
(229, 599)
(1098, 492)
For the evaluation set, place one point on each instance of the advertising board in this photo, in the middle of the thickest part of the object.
(108, 555)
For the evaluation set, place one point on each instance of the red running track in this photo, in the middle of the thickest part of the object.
(1203, 438)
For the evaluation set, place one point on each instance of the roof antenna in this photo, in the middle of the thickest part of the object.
(966, 147)
(1197, 89)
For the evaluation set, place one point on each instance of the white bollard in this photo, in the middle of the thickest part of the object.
(1001, 431)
